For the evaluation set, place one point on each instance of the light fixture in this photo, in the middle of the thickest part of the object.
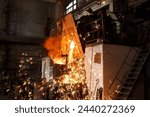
(103, 2)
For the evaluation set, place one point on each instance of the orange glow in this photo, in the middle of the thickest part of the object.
(61, 61)
(70, 55)
(65, 48)
(76, 74)
(66, 43)
(72, 45)
(52, 44)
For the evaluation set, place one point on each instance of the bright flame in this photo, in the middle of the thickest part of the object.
(65, 43)
(61, 61)
(72, 45)
(70, 55)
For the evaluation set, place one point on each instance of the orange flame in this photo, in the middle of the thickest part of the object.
(70, 55)
(53, 45)
(66, 43)
(72, 45)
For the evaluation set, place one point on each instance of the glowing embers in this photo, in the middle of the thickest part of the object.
(24, 91)
(74, 72)
(71, 85)
(70, 92)
(65, 48)
(40, 89)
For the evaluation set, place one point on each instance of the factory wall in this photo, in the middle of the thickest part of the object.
(2, 55)
(59, 9)
(110, 67)
(1, 14)
(28, 18)
(10, 62)
(19, 62)
(94, 68)
(114, 69)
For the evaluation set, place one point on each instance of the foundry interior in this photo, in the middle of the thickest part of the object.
(74, 49)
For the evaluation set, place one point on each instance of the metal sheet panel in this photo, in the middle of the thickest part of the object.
(47, 70)
(94, 68)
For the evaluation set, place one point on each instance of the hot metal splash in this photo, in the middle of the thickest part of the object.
(65, 48)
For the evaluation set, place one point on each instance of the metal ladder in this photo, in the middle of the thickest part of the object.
(134, 73)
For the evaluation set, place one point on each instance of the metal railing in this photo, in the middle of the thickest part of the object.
(122, 65)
